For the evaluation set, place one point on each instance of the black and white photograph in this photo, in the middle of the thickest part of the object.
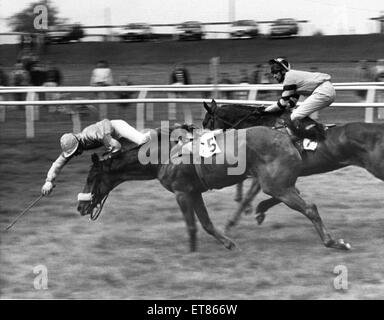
(205, 152)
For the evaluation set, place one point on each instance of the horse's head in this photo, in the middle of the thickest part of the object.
(99, 183)
(209, 120)
(233, 116)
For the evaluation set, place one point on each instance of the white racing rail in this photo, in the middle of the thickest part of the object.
(144, 103)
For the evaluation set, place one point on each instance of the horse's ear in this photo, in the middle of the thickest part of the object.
(95, 158)
(207, 108)
(213, 105)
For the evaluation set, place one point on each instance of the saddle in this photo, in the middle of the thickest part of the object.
(305, 134)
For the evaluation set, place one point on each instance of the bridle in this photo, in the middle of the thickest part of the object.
(100, 204)
(95, 214)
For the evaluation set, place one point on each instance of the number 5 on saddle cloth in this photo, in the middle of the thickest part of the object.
(205, 143)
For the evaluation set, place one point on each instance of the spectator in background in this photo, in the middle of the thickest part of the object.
(363, 74)
(244, 80)
(3, 83)
(102, 74)
(53, 77)
(207, 94)
(123, 81)
(265, 74)
(378, 71)
(224, 79)
(20, 78)
(180, 75)
(28, 59)
(3, 77)
(244, 77)
(255, 77)
(37, 74)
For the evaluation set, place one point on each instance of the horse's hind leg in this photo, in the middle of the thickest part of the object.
(243, 205)
(293, 200)
(189, 216)
(202, 214)
(264, 206)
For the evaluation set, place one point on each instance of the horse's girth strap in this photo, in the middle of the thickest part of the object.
(200, 175)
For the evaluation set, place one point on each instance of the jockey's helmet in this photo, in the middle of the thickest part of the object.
(282, 64)
(69, 144)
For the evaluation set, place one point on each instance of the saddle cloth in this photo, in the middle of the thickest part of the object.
(211, 153)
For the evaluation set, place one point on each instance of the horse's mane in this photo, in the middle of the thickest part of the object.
(235, 112)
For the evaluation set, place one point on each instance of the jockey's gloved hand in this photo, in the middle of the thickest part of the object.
(47, 188)
(114, 145)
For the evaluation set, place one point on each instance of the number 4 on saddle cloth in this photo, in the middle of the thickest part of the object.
(305, 134)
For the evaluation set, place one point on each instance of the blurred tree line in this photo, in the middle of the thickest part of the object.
(23, 21)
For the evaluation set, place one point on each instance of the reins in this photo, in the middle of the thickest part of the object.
(95, 215)
(233, 126)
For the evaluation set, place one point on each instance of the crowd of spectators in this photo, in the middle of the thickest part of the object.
(30, 71)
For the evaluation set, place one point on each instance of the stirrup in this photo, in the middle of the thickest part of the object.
(329, 125)
(310, 126)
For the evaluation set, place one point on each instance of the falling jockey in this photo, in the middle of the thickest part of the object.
(103, 133)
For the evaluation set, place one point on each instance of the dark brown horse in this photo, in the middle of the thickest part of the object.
(267, 154)
(358, 144)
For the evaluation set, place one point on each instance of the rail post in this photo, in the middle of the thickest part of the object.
(171, 107)
(103, 109)
(30, 115)
(140, 107)
(369, 115)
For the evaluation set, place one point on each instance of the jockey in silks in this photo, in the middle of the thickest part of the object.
(105, 132)
(317, 86)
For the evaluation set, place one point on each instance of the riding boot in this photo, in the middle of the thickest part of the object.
(314, 131)
(297, 142)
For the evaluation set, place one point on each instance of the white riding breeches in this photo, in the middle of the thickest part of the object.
(323, 96)
(124, 130)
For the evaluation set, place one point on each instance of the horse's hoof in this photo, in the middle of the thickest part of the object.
(230, 245)
(338, 244)
(248, 209)
(260, 218)
(344, 245)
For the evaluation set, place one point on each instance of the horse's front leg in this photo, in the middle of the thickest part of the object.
(239, 192)
(202, 215)
(243, 205)
(187, 209)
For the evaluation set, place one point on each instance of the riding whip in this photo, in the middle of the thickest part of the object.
(24, 212)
